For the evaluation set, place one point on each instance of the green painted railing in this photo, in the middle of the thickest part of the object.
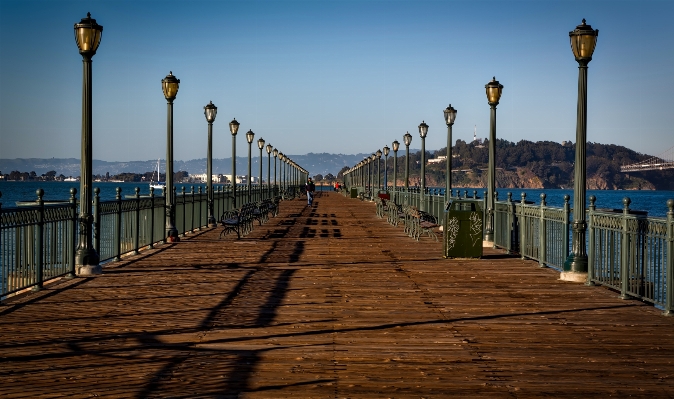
(627, 250)
(38, 240)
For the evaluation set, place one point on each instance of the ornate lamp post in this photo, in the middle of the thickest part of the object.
(396, 146)
(88, 37)
(170, 87)
(372, 158)
(269, 148)
(275, 152)
(282, 172)
(386, 151)
(450, 116)
(583, 42)
(378, 169)
(234, 128)
(249, 138)
(210, 111)
(494, 90)
(423, 131)
(260, 145)
(407, 139)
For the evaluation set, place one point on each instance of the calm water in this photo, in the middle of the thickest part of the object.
(654, 202)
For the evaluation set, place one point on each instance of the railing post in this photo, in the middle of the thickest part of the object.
(39, 256)
(624, 252)
(73, 232)
(184, 232)
(542, 235)
(136, 235)
(191, 210)
(511, 221)
(199, 224)
(118, 225)
(97, 220)
(591, 251)
(523, 226)
(567, 221)
(151, 218)
(669, 289)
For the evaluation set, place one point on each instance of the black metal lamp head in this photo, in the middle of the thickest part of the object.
(269, 148)
(169, 86)
(450, 115)
(260, 143)
(210, 111)
(378, 154)
(250, 136)
(372, 157)
(407, 139)
(275, 152)
(396, 145)
(88, 35)
(386, 150)
(233, 127)
(494, 90)
(423, 129)
(583, 42)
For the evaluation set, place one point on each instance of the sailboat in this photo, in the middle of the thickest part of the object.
(157, 185)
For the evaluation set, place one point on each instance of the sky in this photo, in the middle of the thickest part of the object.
(335, 76)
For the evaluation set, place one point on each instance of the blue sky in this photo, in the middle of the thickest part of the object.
(330, 76)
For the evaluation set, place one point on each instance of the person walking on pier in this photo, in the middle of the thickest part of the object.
(310, 188)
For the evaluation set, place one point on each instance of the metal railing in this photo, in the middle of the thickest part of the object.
(37, 241)
(627, 250)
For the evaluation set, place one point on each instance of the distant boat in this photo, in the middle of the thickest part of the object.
(157, 185)
(70, 179)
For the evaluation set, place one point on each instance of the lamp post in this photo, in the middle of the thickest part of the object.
(275, 152)
(372, 158)
(583, 42)
(450, 116)
(386, 151)
(282, 172)
(423, 131)
(260, 145)
(378, 169)
(407, 139)
(396, 146)
(494, 90)
(210, 111)
(233, 128)
(88, 37)
(170, 87)
(249, 138)
(269, 148)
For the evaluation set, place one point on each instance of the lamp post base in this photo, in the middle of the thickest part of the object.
(89, 270)
(574, 277)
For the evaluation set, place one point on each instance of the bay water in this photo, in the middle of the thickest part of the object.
(653, 202)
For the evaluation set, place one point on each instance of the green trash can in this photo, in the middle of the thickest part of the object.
(354, 192)
(462, 230)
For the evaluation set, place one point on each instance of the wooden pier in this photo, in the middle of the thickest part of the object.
(329, 302)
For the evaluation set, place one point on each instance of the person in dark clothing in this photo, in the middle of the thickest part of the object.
(310, 188)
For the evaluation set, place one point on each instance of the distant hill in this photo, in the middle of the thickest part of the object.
(315, 163)
(524, 164)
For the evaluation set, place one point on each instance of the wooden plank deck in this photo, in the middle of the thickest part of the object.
(329, 302)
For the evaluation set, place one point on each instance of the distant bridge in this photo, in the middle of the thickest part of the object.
(662, 161)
